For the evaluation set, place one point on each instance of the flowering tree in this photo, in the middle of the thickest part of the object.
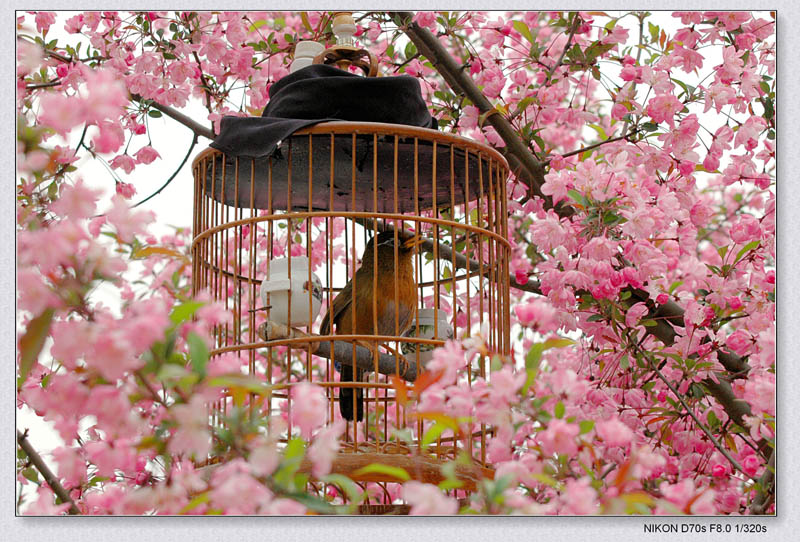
(642, 212)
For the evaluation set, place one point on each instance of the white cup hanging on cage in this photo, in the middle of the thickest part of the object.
(278, 286)
(432, 324)
(304, 53)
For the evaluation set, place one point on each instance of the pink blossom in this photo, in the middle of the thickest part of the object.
(746, 229)
(59, 112)
(71, 466)
(74, 24)
(635, 313)
(43, 20)
(76, 200)
(663, 107)
(323, 450)
(127, 221)
(739, 342)
(45, 504)
(109, 139)
(146, 155)
(309, 407)
(426, 19)
(124, 162)
(749, 132)
(448, 359)
(427, 499)
(751, 465)
(538, 315)
(70, 338)
(614, 432)
(559, 438)
(126, 190)
(192, 437)
(579, 498)
(33, 294)
(235, 491)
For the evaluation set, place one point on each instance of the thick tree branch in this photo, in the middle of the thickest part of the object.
(766, 496)
(47, 474)
(516, 151)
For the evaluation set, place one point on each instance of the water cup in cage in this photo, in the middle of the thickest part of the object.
(275, 292)
(432, 324)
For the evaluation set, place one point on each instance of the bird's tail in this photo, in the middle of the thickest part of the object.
(346, 395)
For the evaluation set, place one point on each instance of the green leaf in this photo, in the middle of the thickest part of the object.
(434, 432)
(31, 343)
(410, 50)
(315, 504)
(577, 197)
(586, 426)
(306, 23)
(155, 113)
(202, 498)
(559, 410)
(722, 251)
(674, 285)
(388, 470)
(752, 245)
(347, 485)
(523, 29)
(597, 49)
(31, 474)
(198, 352)
(184, 311)
(654, 31)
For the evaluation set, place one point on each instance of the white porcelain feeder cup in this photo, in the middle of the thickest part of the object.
(430, 324)
(275, 292)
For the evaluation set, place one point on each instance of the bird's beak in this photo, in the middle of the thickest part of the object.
(413, 241)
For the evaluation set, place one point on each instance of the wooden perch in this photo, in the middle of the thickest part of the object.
(421, 468)
(426, 469)
(341, 351)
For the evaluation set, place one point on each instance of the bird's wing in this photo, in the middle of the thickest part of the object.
(341, 302)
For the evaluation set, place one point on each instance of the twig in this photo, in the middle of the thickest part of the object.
(691, 413)
(175, 173)
(47, 474)
(572, 30)
(596, 145)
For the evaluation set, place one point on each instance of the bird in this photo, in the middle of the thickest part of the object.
(375, 287)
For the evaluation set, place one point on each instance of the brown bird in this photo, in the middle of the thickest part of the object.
(374, 282)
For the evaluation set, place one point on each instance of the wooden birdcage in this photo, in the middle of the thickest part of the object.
(327, 190)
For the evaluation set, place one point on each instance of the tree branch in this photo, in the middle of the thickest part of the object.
(174, 114)
(47, 474)
(764, 499)
(185, 158)
(516, 151)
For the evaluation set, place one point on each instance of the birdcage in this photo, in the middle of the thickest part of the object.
(281, 234)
